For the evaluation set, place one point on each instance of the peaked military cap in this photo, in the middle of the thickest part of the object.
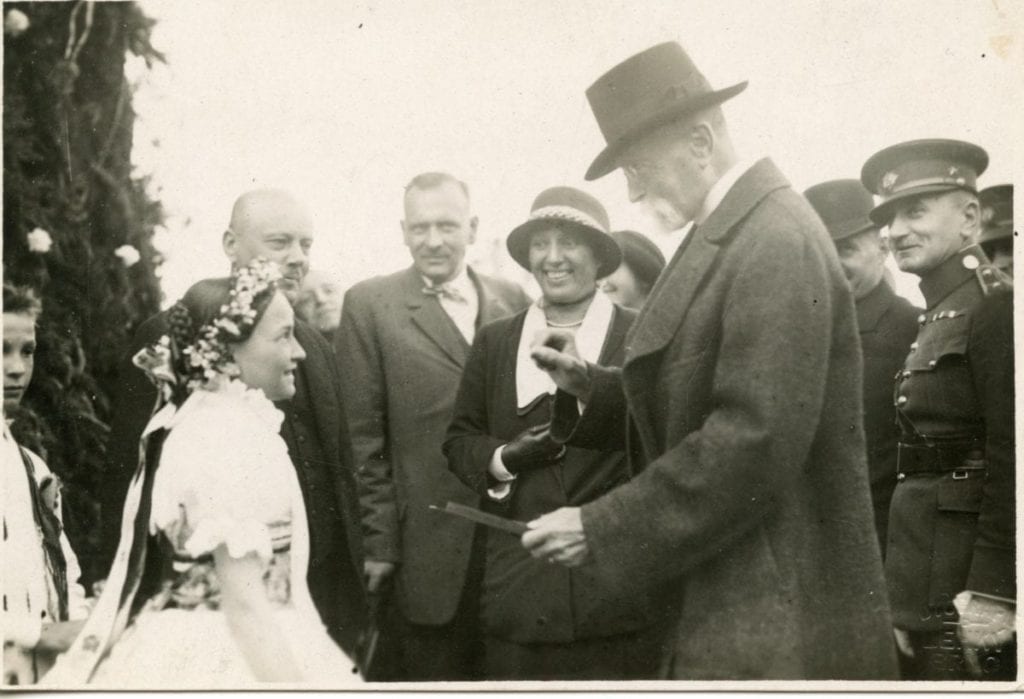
(996, 213)
(927, 166)
(646, 91)
(843, 206)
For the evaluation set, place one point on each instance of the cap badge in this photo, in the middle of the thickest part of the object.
(888, 181)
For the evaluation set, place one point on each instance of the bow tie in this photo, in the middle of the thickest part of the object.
(445, 291)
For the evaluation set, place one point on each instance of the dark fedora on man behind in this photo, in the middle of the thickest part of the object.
(641, 256)
(650, 89)
(916, 168)
(572, 208)
(843, 206)
(996, 213)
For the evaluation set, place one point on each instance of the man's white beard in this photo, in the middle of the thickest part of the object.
(664, 217)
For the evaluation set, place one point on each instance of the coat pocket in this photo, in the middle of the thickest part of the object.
(958, 502)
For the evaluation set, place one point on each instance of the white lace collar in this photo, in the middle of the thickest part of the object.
(531, 380)
(224, 392)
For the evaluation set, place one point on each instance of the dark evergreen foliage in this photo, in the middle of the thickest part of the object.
(67, 130)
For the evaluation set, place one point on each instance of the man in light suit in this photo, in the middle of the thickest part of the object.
(402, 344)
(272, 224)
(741, 397)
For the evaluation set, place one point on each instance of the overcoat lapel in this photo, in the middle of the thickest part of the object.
(430, 318)
(492, 304)
(677, 287)
(325, 410)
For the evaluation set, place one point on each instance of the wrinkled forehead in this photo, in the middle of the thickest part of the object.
(317, 279)
(933, 201)
(446, 199)
(269, 217)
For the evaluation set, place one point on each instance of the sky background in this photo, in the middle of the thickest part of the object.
(344, 102)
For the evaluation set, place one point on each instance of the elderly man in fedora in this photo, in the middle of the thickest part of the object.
(544, 622)
(739, 400)
(886, 322)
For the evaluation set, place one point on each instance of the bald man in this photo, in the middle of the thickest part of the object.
(272, 224)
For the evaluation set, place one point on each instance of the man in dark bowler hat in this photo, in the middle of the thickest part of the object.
(402, 345)
(273, 224)
(739, 402)
(887, 324)
(997, 225)
(950, 564)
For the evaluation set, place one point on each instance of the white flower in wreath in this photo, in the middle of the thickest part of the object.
(15, 23)
(129, 255)
(39, 241)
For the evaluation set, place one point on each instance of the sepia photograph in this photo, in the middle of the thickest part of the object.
(543, 346)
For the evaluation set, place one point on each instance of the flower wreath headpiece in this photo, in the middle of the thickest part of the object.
(186, 359)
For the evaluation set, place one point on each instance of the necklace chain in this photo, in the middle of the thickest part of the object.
(552, 324)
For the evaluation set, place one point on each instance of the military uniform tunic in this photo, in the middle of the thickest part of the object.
(951, 525)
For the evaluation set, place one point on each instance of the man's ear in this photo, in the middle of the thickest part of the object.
(972, 219)
(702, 141)
(883, 244)
(229, 242)
(473, 223)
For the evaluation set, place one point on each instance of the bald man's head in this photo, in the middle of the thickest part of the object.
(271, 223)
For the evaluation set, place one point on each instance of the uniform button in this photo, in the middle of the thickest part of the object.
(901, 477)
(932, 363)
(302, 438)
(902, 400)
(971, 262)
(906, 374)
(913, 346)
(922, 318)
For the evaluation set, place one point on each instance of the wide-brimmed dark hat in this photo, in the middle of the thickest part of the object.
(646, 91)
(573, 209)
(927, 166)
(641, 255)
(996, 213)
(844, 206)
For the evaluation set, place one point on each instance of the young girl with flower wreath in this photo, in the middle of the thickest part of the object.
(208, 585)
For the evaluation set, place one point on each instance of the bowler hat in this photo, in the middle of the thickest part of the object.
(574, 210)
(646, 91)
(914, 168)
(844, 206)
(641, 255)
(996, 213)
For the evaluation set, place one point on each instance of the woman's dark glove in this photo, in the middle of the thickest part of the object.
(533, 448)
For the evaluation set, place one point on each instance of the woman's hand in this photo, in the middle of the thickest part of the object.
(251, 618)
(58, 636)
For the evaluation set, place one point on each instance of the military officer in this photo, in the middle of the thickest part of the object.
(997, 225)
(886, 323)
(950, 560)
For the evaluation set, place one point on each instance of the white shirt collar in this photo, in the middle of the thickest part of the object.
(460, 282)
(721, 188)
